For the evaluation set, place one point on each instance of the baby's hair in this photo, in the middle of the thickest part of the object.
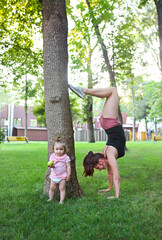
(58, 140)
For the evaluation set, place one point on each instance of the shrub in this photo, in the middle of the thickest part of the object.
(2, 135)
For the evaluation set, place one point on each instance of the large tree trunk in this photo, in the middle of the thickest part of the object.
(57, 106)
(159, 12)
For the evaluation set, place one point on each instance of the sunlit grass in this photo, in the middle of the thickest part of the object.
(26, 214)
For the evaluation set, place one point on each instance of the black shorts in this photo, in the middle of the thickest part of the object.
(116, 138)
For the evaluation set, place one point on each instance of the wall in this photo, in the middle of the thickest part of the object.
(100, 135)
(34, 134)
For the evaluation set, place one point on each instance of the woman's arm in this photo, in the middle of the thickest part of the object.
(110, 176)
(110, 180)
(111, 156)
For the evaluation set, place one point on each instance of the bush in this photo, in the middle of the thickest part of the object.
(2, 135)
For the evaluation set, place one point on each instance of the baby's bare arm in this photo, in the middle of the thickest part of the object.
(68, 166)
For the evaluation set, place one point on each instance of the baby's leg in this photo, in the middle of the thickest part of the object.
(62, 186)
(52, 190)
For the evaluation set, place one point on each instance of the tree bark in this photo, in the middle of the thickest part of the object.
(155, 122)
(133, 112)
(147, 135)
(57, 106)
(91, 137)
(26, 106)
(159, 13)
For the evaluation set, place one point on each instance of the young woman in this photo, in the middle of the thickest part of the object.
(115, 146)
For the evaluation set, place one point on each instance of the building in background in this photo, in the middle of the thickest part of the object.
(12, 119)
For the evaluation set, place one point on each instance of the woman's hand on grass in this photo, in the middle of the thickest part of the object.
(111, 197)
(104, 190)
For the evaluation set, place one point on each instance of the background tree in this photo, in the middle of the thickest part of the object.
(17, 46)
(95, 23)
(119, 53)
(148, 33)
(158, 4)
(147, 101)
(142, 109)
(3, 99)
(81, 51)
(153, 93)
(24, 73)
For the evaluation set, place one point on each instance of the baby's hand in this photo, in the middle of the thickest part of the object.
(67, 178)
(52, 166)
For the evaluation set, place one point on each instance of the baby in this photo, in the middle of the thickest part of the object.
(60, 170)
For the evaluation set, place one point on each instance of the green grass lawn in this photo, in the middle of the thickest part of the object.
(26, 214)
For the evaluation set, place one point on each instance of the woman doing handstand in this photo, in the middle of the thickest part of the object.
(115, 146)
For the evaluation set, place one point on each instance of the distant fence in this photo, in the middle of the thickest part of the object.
(99, 134)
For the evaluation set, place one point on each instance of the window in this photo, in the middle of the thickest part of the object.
(33, 122)
(4, 121)
(17, 122)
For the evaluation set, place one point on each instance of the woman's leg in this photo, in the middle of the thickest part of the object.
(99, 92)
(110, 108)
(111, 156)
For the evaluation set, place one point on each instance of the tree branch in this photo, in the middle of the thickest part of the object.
(103, 46)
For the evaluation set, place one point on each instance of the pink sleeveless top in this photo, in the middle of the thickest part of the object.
(107, 123)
